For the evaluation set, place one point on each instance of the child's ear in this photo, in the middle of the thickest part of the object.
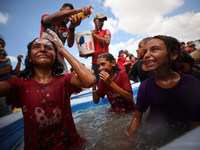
(113, 63)
(174, 55)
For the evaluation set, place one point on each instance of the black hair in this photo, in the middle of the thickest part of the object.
(109, 57)
(4, 43)
(120, 52)
(147, 39)
(5, 54)
(68, 5)
(186, 58)
(29, 71)
(182, 43)
(172, 44)
(130, 56)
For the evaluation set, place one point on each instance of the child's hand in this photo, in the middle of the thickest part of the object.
(4, 60)
(56, 39)
(93, 32)
(105, 77)
(75, 21)
(81, 54)
(127, 65)
(19, 57)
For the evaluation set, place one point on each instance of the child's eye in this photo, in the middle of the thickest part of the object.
(35, 47)
(154, 49)
(49, 48)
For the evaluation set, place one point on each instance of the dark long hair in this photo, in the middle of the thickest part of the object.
(186, 58)
(172, 44)
(29, 72)
(109, 57)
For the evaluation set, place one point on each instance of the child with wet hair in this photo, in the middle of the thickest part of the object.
(173, 98)
(115, 84)
(138, 70)
(44, 95)
(187, 65)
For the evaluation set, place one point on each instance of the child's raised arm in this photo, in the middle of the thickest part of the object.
(4, 60)
(84, 78)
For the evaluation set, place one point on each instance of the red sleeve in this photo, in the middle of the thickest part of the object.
(101, 89)
(42, 24)
(126, 82)
(14, 97)
(108, 32)
(72, 89)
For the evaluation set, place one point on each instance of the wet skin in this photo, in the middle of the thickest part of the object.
(42, 53)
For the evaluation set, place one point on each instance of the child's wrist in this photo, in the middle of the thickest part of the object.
(94, 91)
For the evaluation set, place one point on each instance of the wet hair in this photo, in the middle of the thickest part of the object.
(186, 58)
(5, 54)
(172, 44)
(29, 71)
(68, 5)
(109, 57)
(147, 39)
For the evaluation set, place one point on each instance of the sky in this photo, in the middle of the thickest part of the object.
(128, 20)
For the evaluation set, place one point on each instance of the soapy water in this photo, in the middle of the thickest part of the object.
(108, 131)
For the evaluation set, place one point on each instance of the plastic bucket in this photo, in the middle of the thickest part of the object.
(85, 42)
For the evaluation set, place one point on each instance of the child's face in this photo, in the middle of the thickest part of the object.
(156, 55)
(2, 55)
(42, 52)
(140, 50)
(104, 65)
(121, 55)
(65, 21)
(132, 59)
(1, 45)
(186, 68)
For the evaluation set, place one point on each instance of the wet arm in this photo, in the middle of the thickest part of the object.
(5, 88)
(84, 78)
(17, 68)
(128, 96)
(128, 69)
(127, 66)
(4, 60)
(59, 16)
(63, 14)
(96, 97)
(70, 38)
(5, 70)
(107, 79)
(135, 123)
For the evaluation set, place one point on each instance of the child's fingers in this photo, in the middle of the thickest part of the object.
(55, 38)
(53, 34)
